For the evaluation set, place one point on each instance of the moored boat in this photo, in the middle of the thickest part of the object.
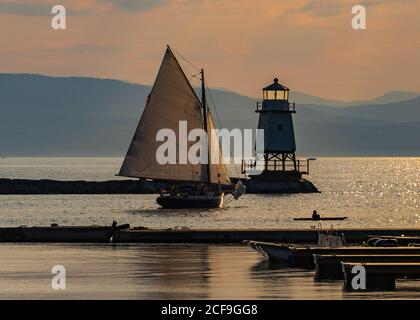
(272, 251)
(191, 201)
(302, 256)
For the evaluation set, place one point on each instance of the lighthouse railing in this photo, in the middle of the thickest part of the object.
(291, 107)
(276, 165)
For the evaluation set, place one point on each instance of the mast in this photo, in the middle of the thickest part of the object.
(205, 110)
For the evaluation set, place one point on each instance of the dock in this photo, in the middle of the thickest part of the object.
(61, 234)
(283, 235)
(329, 267)
(175, 235)
(378, 267)
(304, 257)
(383, 264)
(380, 276)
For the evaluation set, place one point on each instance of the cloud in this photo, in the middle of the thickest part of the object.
(135, 5)
(43, 7)
(84, 48)
(77, 7)
(328, 8)
(25, 8)
(323, 8)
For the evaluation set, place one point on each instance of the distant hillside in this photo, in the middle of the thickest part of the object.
(405, 111)
(303, 98)
(320, 133)
(390, 97)
(46, 116)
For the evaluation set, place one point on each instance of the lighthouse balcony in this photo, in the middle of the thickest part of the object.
(276, 169)
(285, 106)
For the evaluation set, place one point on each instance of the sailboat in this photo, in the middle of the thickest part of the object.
(189, 185)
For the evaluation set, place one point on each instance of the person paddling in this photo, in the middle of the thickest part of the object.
(315, 215)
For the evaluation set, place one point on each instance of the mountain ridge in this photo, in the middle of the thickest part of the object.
(295, 96)
(87, 116)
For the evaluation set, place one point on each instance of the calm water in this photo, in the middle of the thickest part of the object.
(370, 191)
(164, 272)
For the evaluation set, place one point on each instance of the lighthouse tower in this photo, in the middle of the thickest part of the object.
(277, 162)
(275, 117)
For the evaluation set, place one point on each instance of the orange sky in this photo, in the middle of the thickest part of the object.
(243, 44)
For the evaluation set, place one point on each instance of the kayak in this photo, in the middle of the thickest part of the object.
(320, 219)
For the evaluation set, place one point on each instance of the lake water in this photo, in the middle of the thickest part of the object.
(153, 271)
(372, 192)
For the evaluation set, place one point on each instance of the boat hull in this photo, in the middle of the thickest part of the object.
(271, 251)
(303, 257)
(185, 202)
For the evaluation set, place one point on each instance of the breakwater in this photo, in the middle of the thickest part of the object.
(45, 186)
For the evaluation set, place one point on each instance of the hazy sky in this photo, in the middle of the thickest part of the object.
(308, 44)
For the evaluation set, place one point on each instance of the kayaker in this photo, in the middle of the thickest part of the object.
(315, 215)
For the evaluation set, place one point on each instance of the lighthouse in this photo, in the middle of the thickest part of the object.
(279, 171)
(275, 118)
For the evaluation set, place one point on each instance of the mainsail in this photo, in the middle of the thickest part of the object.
(172, 99)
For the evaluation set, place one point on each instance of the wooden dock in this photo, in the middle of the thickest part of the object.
(304, 257)
(56, 234)
(383, 264)
(280, 235)
(61, 234)
(380, 276)
(99, 234)
(329, 267)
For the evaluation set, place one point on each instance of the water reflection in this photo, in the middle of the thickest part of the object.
(164, 271)
(171, 272)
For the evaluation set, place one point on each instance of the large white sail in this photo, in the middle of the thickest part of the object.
(171, 100)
